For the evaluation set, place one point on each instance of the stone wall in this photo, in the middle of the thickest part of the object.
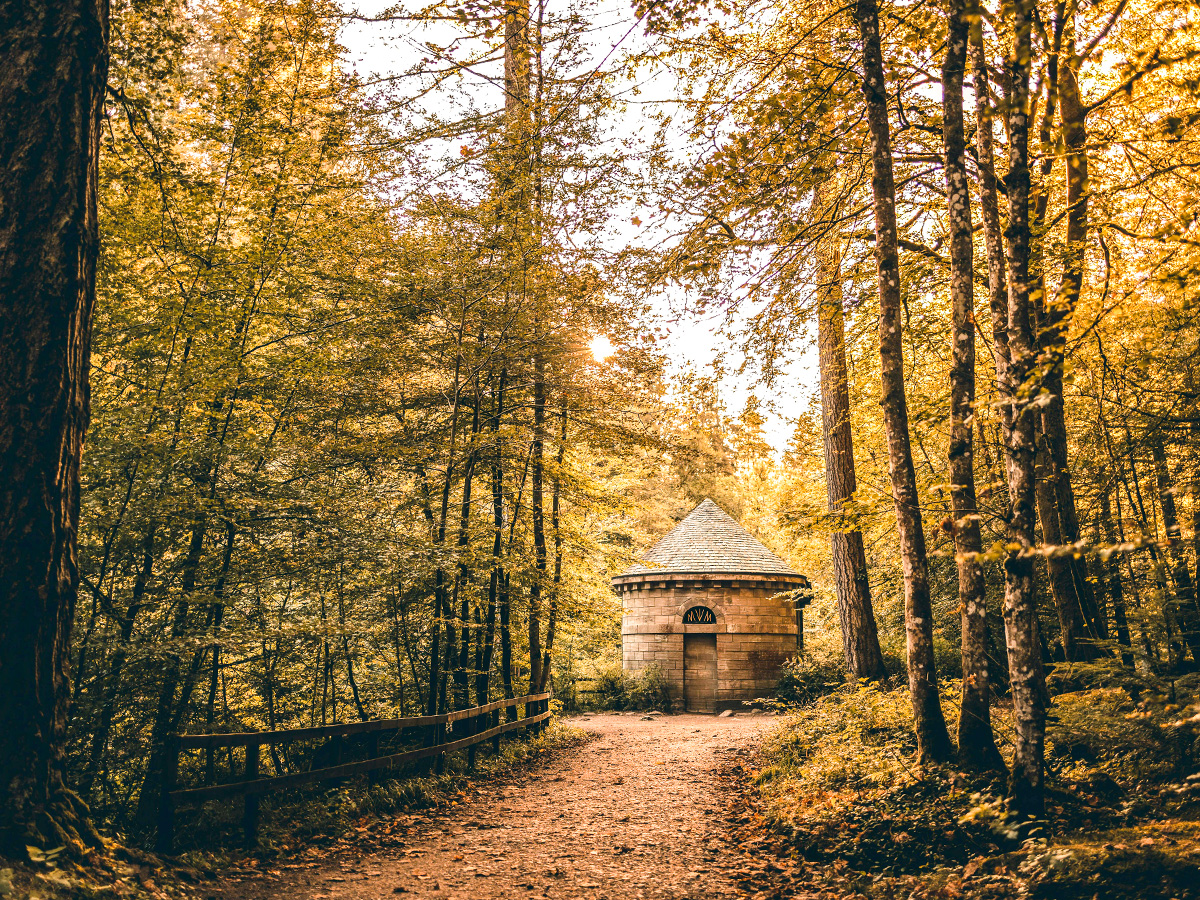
(755, 633)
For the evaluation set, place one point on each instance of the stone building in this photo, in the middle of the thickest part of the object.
(702, 604)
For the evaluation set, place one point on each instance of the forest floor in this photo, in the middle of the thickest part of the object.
(673, 808)
(639, 811)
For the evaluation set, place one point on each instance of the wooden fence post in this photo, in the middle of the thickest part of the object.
(250, 811)
(475, 729)
(428, 739)
(375, 775)
(165, 838)
(440, 738)
(496, 738)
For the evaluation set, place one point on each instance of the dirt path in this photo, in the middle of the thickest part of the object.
(634, 813)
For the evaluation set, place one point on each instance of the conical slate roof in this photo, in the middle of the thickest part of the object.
(710, 540)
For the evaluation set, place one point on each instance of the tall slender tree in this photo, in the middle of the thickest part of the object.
(1026, 674)
(860, 636)
(933, 739)
(976, 744)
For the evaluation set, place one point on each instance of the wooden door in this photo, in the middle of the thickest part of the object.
(700, 672)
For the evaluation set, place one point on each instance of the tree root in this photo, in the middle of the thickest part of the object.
(64, 822)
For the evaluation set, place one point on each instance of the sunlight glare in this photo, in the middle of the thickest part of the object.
(601, 347)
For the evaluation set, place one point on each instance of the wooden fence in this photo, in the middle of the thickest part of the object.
(480, 723)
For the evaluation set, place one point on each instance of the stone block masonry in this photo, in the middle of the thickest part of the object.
(709, 560)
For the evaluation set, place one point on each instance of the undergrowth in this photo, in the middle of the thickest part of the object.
(614, 688)
(838, 780)
(293, 819)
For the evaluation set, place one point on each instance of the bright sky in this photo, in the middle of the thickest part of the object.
(381, 50)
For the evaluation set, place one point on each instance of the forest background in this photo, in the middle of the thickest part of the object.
(351, 454)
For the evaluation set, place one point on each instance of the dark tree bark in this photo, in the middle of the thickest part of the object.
(443, 614)
(172, 709)
(1187, 616)
(435, 627)
(1058, 317)
(497, 575)
(989, 209)
(218, 615)
(933, 740)
(555, 509)
(1112, 576)
(1026, 673)
(539, 523)
(860, 636)
(1195, 491)
(112, 682)
(53, 66)
(506, 656)
(1073, 631)
(463, 573)
(1073, 593)
(976, 745)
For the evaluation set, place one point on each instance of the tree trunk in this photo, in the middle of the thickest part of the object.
(1112, 577)
(1053, 339)
(1026, 672)
(860, 637)
(1195, 491)
(147, 810)
(1072, 628)
(443, 615)
(555, 509)
(108, 706)
(53, 66)
(976, 745)
(539, 524)
(435, 628)
(1187, 616)
(933, 740)
(485, 668)
(506, 646)
(218, 614)
(989, 208)
(463, 573)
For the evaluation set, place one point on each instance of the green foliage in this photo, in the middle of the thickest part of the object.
(804, 679)
(308, 485)
(1105, 730)
(857, 738)
(614, 688)
(838, 777)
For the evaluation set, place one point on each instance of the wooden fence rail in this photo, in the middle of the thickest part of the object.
(481, 723)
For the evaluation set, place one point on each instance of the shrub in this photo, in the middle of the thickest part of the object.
(614, 688)
(649, 689)
(1105, 729)
(805, 679)
(857, 737)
